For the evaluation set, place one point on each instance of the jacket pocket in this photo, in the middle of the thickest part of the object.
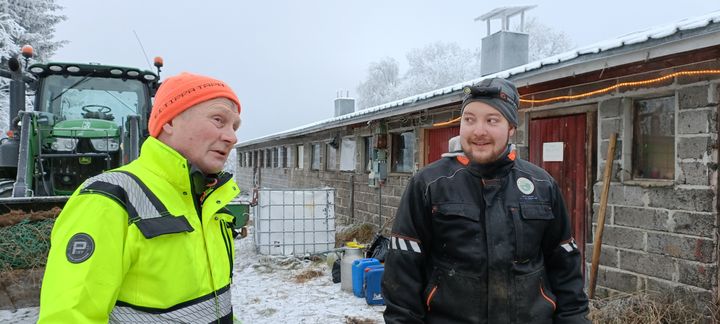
(536, 211)
(463, 210)
(153, 227)
(531, 220)
(454, 225)
(533, 303)
(444, 291)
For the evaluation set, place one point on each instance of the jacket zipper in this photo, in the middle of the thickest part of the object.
(226, 240)
(198, 210)
(542, 292)
(430, 297)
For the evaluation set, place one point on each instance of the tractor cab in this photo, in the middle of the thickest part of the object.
(89, 118)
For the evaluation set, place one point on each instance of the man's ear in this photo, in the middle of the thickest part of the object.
(168, 128)
(511, 132)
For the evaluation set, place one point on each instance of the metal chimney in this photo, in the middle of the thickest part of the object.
(344, 106)
(504, 49)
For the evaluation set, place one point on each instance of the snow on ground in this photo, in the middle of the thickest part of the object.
(265, 290)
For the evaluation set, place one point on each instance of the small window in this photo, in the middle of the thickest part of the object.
(368, 153)
(331, 160)
(315, 162)
(403, 151)
(275, 156)
(347, 154)
(268, 158)
(654, 138)
(300, 157)
(288, 157)
(261, 158)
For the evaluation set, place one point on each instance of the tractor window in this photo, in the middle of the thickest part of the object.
(82, 97)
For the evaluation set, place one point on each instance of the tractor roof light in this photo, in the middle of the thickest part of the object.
(37, 69)
(158, 61)
(133, 73)
(149, 77)
(116, 72)
(55, 68)
(73, 69)
(27, 51)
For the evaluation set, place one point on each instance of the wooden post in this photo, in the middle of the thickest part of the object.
(597, 242)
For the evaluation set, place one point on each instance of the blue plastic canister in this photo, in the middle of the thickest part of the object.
(373, 290)
(358, 270)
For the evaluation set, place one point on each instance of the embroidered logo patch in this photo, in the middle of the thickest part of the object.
(526, 186)
(80, 248)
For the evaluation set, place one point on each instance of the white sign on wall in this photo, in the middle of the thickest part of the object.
(553, 151)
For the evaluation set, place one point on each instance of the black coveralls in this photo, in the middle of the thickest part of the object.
(483, 244)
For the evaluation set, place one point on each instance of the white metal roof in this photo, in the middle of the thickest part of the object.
(634, 38)
(504, 12)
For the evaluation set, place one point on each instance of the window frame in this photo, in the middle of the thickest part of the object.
(408, 168)
(315, 160)
(635, 155)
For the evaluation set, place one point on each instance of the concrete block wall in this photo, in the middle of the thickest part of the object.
(355, 201)
(661, 235)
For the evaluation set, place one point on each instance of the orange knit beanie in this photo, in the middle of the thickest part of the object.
(180, 92)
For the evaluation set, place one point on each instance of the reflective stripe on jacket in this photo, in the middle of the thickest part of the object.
(158, 256)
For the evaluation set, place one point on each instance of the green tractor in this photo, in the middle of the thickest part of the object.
(87, 118)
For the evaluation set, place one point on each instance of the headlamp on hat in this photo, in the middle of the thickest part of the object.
(487, 92)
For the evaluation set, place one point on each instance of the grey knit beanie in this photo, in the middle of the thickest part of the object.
(499, 93)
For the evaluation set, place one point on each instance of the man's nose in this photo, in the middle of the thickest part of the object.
(228, 135)
(480, 129)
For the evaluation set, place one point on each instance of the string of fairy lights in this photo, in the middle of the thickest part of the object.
(603, 90)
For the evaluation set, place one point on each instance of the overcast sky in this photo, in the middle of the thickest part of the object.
(287, 60)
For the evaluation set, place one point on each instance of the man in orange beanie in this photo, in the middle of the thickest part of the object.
(151, 241)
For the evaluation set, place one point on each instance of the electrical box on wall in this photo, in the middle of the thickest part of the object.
(378, 168)
(378, 164)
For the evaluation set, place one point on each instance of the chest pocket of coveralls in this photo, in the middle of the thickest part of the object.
(454, 225)
(531, 220)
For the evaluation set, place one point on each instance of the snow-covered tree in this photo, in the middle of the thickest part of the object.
(442, 64)
(381, 84)
(545, 41)
(25, 22)
(435, 66)
(29, 22)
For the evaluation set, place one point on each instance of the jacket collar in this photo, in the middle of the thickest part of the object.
(497, 168)
(168, 164)
(163, 161)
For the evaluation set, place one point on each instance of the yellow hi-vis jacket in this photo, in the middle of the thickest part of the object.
(124, 250)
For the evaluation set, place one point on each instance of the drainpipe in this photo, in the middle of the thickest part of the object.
(352, 198)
